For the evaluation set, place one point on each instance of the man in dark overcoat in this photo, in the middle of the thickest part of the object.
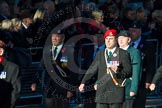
(58, 83)
(112, 65)
(148, 50)
(9, 81)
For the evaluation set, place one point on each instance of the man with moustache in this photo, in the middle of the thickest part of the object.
(112, 65)
(56, 94)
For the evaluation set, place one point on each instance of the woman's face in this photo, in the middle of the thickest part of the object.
(99, 17)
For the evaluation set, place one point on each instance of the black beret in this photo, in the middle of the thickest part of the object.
(124, 33)
(58, 32)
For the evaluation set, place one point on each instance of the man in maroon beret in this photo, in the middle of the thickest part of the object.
(112, 65)
(9, 81)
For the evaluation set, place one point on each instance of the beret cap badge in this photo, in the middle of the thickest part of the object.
(110, 34)
(134, 26)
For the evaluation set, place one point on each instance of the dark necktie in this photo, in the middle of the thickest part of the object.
(110, 54)
(55, 52)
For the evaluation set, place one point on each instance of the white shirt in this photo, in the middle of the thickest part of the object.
(125, 48)
(112, 50)
(24, 26)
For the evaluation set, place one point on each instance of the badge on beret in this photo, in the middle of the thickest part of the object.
(111, 34)
(59, 31)
(134, 26)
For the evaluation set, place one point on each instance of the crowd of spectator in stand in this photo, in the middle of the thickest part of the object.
(20, 21)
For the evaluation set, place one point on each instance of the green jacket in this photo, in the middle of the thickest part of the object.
(132, 83)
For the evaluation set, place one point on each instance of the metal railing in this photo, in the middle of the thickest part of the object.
(27, 97)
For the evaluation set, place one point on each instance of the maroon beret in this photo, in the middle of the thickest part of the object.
(110, 32)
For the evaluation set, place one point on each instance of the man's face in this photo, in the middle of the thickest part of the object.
(57, 39)
(131, 15)
(49, 8)
(5, 9)
(142, 17)
(110, 42)
(135, 33)
(123, 41)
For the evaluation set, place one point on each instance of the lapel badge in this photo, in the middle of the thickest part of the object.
(3, 75)
(114, 55)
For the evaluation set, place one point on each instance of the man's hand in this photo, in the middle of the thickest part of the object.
(69, 94)
(152, 86)
(33, 87)
(81, 87)
(147, 85)
(95, 86)
(132, 94)
(114, 68)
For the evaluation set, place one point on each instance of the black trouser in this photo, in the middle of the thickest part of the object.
(128, 103)
(5, 105)
(55, 103)
(114, 105)
(90, 105)
(140, 100)
(5, 102)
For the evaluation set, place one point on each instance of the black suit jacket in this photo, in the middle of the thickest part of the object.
(107, 91)
(10, 86)
(55, 83)
(148, 61)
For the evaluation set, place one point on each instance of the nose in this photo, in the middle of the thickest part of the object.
(108, 39)
(54, 37)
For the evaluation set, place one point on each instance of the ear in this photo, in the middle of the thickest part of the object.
(63, 38)
(1, 51)
(129, 40)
